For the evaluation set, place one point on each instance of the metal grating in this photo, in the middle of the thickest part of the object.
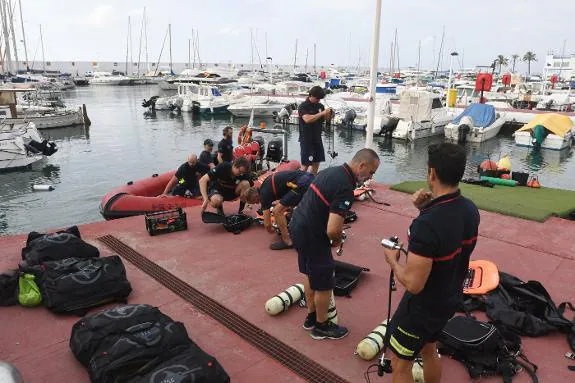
(286, 355)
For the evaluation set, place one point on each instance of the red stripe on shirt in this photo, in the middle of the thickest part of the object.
(319, 194)
(447, 257)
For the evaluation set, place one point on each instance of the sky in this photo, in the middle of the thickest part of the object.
(479, 30)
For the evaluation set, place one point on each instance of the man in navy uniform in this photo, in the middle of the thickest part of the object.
(312, 114)
(441, 240)
(318, 220)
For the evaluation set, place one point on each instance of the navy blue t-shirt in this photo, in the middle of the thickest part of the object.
(188, 175)
(226, 147)
(310, 133)
(287, 186)
(330, 192)
(206, 158)
(445, 231)
(223, 179)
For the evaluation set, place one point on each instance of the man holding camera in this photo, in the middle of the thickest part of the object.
(441, 240)
(312, 114)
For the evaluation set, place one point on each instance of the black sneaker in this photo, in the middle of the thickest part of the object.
(309, 323)
(328, 330)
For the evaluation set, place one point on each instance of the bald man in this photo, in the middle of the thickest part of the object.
(185, 182)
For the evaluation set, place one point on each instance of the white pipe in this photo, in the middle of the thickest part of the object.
(373, 76)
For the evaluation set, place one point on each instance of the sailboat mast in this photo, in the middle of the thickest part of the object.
(140, 48)
(131, 45)
(252, 48)
(23, 34)
(42, 43)
(11, 14)
(306, 54)
(314, 58)
(418, 60)
(397, 52)
(170, 32)
(190, 53)
(295, 56)
(8, 60)
(146, 40)
(127, 45)
(440, 52)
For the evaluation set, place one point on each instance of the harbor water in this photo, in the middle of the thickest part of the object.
(126, 143)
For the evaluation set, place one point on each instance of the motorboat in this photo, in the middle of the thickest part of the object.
(421, 114)
(547, 131)
(477, 123)
(22, 145)
(262, 106)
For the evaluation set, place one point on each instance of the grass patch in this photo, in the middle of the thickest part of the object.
(523, 202)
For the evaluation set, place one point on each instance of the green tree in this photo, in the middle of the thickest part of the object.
(528, 57)
(514, 59)
(501, 60)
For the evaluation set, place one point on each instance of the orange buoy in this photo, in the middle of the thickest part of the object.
(488, 165)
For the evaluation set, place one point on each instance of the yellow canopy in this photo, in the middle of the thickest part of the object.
(558, 124)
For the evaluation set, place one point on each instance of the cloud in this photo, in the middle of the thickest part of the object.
(426, 41)
(340, 4)
(230, 30)
(99, 15)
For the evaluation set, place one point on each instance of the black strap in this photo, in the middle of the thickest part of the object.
(571, 368)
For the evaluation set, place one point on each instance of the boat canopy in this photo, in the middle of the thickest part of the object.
(482, 114)
(557, 124)
(415, 105)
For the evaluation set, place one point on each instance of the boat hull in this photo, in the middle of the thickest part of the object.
(143, 196)
(551, 142)
(476, 134)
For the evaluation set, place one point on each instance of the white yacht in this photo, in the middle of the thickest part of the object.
(421, 114)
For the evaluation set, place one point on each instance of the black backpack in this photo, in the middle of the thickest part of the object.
(484, 349)
(56, 246)
(73, 285)
(9, 288)
(346, 278)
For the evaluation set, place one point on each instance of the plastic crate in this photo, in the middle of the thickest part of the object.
(167, 221)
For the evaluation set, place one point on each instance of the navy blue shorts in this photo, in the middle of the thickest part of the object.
(412, 327)
(311, 152)
(227, 194)
(315, 260)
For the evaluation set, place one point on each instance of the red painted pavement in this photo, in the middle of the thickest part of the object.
(240, 272)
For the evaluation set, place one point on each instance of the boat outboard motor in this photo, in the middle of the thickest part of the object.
(388, 125)
(349, 118)
(275, 150)
(45, 147)
(284, 114)
(464, 128)
(261, 143)
(9, 373)
(195, 108)
(151, 103)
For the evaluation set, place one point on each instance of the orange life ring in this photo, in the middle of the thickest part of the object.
(244, 135)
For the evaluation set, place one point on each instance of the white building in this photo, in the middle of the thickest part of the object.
(562, 66)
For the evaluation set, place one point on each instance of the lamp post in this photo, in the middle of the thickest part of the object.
(373, 76)
(453, 54)
(270, 68)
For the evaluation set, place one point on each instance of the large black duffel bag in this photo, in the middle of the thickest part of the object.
(138, 343)
(55, 246)
(183, 365)
(73, 285)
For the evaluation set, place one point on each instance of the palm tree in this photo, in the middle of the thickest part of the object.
(514, 58)
(501, 60)
(529, 56)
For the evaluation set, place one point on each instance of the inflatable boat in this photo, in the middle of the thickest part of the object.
(143, 196)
